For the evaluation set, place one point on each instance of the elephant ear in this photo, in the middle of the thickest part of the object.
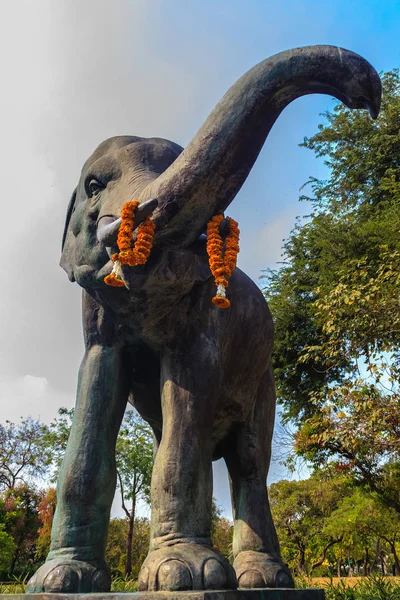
(68, 242)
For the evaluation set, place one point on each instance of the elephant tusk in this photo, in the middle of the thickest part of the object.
(107, 230)
(108, 226)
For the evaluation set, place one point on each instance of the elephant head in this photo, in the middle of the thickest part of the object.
(192, 185)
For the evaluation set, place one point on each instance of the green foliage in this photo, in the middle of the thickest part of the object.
(23, 452)
(326, 521)
(17, 587)
(300, 510)
(19, 516)
(358, 427)
(46, 509)
(56, 438)
(290, 295)
(7, 549)
(124, 584)
(361, 519)
(134, 455)
(335, 302)
(222, 537)
(370, 588)
(116, 546)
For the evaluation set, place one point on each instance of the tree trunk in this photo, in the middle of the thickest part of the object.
(128, 561)
(331, 543)
(396, 559)
(339, 566)
(383, 566)
(14, 560)
(366, 559)
(16, 554)
(301, 561)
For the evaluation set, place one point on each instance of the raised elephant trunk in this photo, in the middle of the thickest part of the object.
(208, 174)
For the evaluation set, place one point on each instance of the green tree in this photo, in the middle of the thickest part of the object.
(335, 301)
(116, 544)
(56, 438)
(140, 544)
(46, 509)
(19, 514)
(134, 455)
(23, 452)
(221, 531)
(361, 519)
(222, 537)
(299, 509)
(7, 550)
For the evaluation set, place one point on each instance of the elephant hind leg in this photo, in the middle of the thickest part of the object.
(247, 454)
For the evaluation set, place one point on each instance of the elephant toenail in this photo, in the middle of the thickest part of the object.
(61, 579)
(101, 581)
(251, 579)
(214, 574)
(143, 583)
(283, 580)
(174, 576)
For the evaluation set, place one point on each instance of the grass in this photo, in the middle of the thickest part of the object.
(119, 584)
(375, 587)
(17, 586)
(122, 584)
(12, 588)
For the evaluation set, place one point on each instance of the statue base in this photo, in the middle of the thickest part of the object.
(257, 594)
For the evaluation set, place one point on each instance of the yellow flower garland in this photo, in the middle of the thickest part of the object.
(127, 255)
(222, 263)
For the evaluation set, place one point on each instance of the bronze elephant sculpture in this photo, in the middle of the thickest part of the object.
(200, 376)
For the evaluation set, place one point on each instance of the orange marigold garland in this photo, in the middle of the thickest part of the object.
(127, 255)
(222, 263)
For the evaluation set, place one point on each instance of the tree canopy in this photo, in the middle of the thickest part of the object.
(23, 452)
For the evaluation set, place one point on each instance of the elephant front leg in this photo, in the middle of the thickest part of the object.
(181, 556)
(87, 480)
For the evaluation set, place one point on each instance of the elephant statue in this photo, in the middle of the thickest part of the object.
(200, 376)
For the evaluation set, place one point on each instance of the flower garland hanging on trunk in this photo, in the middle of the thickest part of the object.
(222, 259)
(127, 255)
(222, 263)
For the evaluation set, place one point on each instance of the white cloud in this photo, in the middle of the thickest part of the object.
(29, 395)
(262, 247)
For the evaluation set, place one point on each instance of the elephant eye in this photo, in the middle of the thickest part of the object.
(94, 187)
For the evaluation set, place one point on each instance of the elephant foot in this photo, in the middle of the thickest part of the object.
(70, 576)
(186, 566)
(259, 570)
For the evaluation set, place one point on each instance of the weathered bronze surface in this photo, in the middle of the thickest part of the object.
(200, 376)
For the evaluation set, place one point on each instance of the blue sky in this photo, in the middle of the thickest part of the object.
(75, 73)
